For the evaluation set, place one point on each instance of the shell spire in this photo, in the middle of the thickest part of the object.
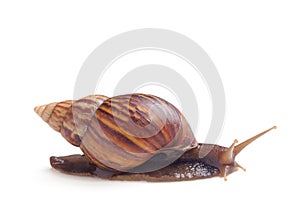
(70, 118)
(54, 113)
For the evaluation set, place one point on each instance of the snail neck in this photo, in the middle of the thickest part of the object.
(207, 153)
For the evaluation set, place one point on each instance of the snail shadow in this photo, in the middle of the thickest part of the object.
(70, 179)
(58, 178)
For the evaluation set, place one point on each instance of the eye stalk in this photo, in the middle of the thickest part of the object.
(228, 162)
(227, 158)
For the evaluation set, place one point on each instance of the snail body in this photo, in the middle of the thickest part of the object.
(135, 137)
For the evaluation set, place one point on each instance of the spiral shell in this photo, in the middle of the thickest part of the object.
(122, 132)
(71, 118)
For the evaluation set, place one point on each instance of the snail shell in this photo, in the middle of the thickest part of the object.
(122, 132)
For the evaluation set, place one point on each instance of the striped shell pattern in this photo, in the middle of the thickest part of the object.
(122, 132)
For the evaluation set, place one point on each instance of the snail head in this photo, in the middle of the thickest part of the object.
(227, 157)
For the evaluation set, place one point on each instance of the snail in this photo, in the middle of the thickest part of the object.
(135, 137)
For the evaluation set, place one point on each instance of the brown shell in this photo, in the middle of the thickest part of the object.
(71, 118)
(122, 132)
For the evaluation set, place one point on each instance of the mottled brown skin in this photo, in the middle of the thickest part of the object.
(185, 168)
(135, 137)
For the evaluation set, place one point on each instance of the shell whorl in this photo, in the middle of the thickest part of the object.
(70, 118)
(128, 130)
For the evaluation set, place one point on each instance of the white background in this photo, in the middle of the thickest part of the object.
(255, 45)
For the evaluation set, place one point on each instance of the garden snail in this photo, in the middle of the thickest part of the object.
(135, 137)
